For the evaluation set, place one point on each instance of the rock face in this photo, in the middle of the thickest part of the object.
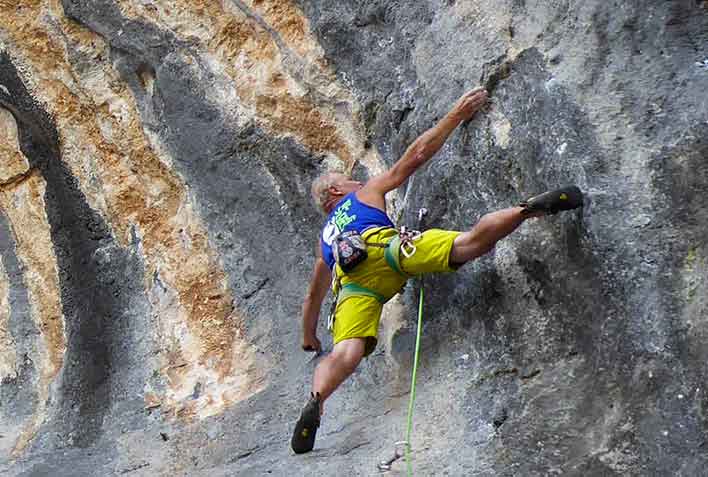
(156, 234)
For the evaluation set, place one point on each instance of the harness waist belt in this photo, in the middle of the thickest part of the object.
(354, 289)
(392, 255)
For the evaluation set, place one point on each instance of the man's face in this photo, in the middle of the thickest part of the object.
(345, 185)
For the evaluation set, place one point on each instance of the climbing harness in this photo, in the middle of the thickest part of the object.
(345, 291)
(354, 245)
(385, 465)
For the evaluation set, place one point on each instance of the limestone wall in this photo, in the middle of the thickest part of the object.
(157, 235)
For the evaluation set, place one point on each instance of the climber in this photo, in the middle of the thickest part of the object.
(367, 277)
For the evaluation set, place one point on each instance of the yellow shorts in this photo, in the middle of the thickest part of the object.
(358, 316)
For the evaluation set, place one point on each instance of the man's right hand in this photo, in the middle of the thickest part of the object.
(311, 343)
(469, 103)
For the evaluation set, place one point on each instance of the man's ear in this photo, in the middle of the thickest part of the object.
(334, 190)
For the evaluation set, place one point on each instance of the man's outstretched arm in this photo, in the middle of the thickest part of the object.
(425, 147)
(319, 284)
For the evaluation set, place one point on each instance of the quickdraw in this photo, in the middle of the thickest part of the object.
(385, 465)
(399, 451)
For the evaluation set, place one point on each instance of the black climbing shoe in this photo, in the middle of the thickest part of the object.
(306, 428)
(567, 198)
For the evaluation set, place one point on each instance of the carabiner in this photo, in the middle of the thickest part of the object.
(407, 248)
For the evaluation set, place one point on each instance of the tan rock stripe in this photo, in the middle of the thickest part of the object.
(8, 354)
(252, 58)
(289, 21)
(137, 188)
(12, 162)
(141, 189)
(22, 200)
(181, 252)
(24, 206)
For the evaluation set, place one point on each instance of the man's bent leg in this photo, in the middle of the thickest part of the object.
(486, 233)
(354, 334)
(338, 366)
(330, 373)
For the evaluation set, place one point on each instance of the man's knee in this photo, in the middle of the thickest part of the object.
(490, 220)
(350, 352)
(471, 245)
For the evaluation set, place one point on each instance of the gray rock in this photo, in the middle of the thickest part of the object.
(588, 328)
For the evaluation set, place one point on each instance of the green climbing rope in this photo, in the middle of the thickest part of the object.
(409, 425)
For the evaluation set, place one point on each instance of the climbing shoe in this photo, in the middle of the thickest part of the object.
(306, 428)
(567, 198)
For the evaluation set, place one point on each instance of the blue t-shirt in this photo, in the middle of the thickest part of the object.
(350, 214)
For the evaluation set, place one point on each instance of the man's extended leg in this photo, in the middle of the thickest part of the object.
(486, 233)
(495, 226)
